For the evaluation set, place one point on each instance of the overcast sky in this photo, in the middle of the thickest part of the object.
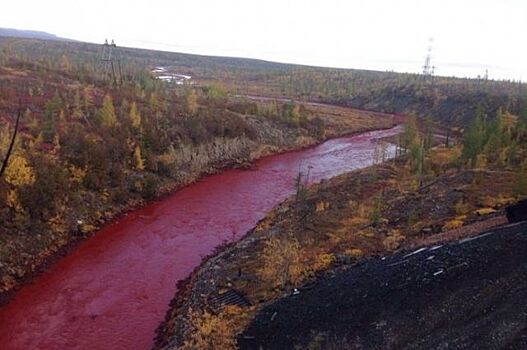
(470, 36)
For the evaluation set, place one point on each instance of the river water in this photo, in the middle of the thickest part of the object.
(113, 290)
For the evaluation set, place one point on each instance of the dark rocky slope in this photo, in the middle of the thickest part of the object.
(469, 294)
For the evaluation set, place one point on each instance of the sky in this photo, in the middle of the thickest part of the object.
(469, 36)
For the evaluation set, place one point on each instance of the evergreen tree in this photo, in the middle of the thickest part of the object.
(295, 114)
(138, 162)
(51, 112)
(65, 63)
(191, 102)
(87, 99)
(215, 93)
(134, 116)
(106, 114)
(474, 140)
(521, 128)
(409, 135)
(19, 172)
(429, 133)
(498, 139)
(77, 107)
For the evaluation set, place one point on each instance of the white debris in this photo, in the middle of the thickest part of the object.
(296, 291)
(435, 247)
(416, 252)
(404, 261)
(163, 73)
(465, 240)
(431, 257)
(439, 272)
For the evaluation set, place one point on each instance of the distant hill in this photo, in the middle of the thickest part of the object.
(31, 34)
(449, 100)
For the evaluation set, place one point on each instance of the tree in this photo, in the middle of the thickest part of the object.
(191, 102)
(521, 130)
(474, 140)
(409, 135)
(7, 50)
(417, 158)
(282, 261)
(87, 98)
(153, 101)
(106, 114)
(5, 163)
(215, 93)
(134, 116)
(295, 113)
(65, 63)
(138, 162)
(77, 106)
(211, 331)
(19, 172)
(48, 128)
(498, 139)
(291, 113)
(429, 132)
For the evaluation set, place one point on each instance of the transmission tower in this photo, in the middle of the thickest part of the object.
(428, 69)
(111, 62)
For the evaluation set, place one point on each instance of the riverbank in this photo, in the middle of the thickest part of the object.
(337, 224)
(118, 283)
(24, 257)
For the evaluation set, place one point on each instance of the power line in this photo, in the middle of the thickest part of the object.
(428, 69)
(111, 61)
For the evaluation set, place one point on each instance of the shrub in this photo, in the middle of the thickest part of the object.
(393, 241)
(281, 261)
(210, 331)
(461, 207)
(452, 225)
(322, 262)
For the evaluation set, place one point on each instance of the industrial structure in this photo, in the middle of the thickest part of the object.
(428, 69)
(111, 62)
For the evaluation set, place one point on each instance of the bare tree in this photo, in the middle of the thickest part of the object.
(10, 149)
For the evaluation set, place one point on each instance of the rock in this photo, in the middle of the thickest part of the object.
(517, 212)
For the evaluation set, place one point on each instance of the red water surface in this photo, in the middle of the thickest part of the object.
(113, 290)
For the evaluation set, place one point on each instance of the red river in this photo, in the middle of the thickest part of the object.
(113, 290)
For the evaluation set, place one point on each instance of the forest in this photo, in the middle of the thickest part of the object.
(447, 99)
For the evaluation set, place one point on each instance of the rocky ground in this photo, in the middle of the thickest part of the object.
(468, 294)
